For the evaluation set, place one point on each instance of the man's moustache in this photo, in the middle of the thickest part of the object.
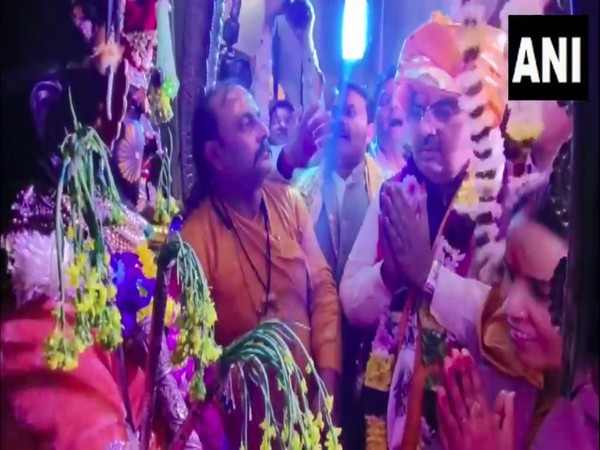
(430, 143)
(262, 149)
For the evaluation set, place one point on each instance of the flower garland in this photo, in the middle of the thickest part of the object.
(85, 173)
(165, 59)
(210, 427)
(196, 321)
(268, 347)
(378, 374)
(160, 95)
(488, 144)
(252, 357)
(164, 84)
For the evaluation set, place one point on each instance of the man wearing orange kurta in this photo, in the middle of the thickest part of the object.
(255, 240)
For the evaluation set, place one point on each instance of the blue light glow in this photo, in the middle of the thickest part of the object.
(354, 30)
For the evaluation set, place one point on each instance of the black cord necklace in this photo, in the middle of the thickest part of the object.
(228, 222)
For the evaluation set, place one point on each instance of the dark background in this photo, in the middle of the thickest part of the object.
(36, 38)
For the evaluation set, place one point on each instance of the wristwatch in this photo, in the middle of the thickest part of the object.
(432, 277)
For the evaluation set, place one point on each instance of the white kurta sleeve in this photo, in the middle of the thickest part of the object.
(363, 294)
(457, 303)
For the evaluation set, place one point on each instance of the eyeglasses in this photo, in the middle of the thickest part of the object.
(443, 110)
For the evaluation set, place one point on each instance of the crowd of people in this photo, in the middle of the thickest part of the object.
(413, 241)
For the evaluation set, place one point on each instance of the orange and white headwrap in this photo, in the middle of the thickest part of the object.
(433, 55)
(469, 59)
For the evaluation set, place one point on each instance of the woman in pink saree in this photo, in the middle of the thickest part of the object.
(524, 353)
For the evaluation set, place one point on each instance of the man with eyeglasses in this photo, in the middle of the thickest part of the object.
(407, 278)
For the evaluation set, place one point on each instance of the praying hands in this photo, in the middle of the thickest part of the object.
(465, 420)
(407, 254)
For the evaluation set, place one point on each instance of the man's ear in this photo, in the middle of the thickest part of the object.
(212, 153)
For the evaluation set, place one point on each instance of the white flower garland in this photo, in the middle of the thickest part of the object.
(488, 145)
(521, 185)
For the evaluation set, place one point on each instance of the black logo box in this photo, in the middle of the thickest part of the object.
(553, 27)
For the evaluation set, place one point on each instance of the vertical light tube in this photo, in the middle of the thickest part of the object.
(354, 30)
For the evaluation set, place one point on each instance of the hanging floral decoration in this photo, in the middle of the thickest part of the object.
(166, 207)
(84, 176)
(196, 320)
(251, 358)
(486, 138)
(266, 349)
